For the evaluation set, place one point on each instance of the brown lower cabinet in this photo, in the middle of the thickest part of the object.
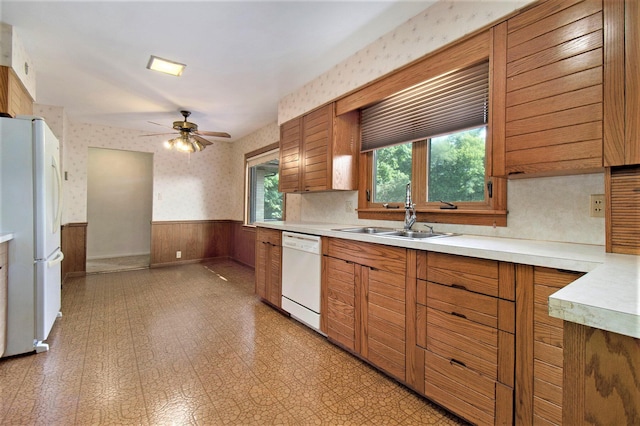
(540, 346)
(465, 339)
(269, 265)
(365, 301)
(473, 335)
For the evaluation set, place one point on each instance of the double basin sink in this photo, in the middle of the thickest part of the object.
(399, 233)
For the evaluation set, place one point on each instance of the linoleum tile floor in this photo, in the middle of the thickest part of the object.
(192, 344)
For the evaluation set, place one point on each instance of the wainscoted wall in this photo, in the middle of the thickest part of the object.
(200, 240)
(244, 244)
(73, 241)
(196, 240)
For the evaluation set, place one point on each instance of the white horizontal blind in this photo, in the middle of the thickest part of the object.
(445, 104)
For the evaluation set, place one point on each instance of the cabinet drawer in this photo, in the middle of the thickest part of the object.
(460, 389)
(271, 236)
(478, 275)
(465, 304)
(385, 258)
(451, 336)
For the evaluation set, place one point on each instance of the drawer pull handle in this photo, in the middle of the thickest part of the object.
(456, 314)
(459, 286)
(455, 361)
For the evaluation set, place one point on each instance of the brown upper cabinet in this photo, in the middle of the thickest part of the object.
(14, 98)
(554, 88)
(622, 80)
(318, 151)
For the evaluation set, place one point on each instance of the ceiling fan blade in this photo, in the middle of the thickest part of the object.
(214, 134)
(158, 124)
(203, 141)
(158, 134)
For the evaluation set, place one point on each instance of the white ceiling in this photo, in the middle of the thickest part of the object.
(90, 57)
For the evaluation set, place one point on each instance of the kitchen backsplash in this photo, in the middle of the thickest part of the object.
(550, 209)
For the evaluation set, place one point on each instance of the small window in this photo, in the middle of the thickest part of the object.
(264, 202)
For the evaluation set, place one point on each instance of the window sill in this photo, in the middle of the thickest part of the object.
(458, 217)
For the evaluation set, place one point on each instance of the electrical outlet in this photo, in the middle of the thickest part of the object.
(348, 206)
(596, 205)
(178, 254)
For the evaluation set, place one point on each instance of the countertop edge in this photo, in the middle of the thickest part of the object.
(6, 237)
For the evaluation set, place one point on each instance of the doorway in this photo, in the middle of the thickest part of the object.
(119, 209)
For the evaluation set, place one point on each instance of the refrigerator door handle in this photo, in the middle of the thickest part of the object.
(58, 217)
(58, 259)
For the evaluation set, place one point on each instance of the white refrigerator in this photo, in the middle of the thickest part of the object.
(30, 208)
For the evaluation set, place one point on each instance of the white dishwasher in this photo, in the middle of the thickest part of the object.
(301, 265)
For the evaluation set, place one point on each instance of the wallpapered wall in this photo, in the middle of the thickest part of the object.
(438, 25)
(186, 187)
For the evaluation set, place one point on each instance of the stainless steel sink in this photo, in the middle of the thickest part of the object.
(423, 234)
(399, 233)
(370, 230)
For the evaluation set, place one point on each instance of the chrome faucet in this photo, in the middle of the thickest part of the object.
(409, 210)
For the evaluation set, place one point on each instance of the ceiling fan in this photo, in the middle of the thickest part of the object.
(190, 138)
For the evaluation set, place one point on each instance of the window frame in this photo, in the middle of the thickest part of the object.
(485, 212)
(485, 44)
(248, 157)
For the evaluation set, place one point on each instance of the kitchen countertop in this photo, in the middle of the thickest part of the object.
(5, 237)
(607, 297)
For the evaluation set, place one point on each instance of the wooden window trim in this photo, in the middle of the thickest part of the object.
(493, 211)
(489, 212)
(247, 156)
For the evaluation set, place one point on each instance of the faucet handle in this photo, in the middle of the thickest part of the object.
(430, 227)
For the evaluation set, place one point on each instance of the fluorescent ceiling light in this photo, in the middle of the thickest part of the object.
(165, 66)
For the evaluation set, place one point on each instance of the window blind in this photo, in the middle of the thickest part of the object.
(448, 103)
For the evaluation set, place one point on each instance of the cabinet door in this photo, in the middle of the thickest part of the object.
(262, 267)
(317, 142)
(383, 319)
(290, 149)
(269, 266)
(554, 93)
(548, 346)
(342, 302)
(274, 290)
(622, 83)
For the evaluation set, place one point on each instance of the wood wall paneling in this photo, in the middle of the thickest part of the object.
(196, 240)
(73, 242)
(243, 244)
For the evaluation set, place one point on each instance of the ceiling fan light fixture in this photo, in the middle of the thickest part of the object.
(166, 66)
